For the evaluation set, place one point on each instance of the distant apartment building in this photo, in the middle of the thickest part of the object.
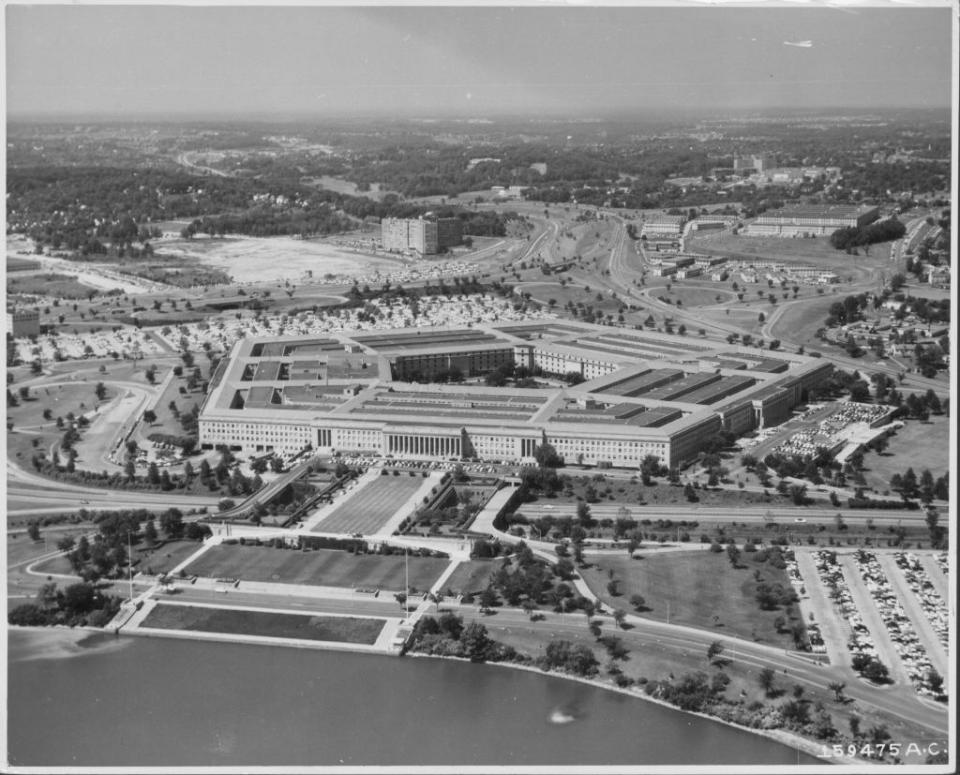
(23, 323)
(424, 236)
(810, 220)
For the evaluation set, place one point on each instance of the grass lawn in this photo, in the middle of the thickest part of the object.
(341, 629)
(916, 445)
(801, 321)
(471, 577)
(50, 284)
(697, 297)
(698, 586)
(323, 567)
(163, 558)
(31, 433)
(21, 548)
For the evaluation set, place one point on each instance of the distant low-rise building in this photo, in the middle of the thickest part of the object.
(810, 220)
(663, 225)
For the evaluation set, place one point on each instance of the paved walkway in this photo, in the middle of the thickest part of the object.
(483, 523)
(436, 589)
(410, 505)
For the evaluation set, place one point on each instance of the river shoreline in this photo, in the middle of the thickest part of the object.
(783, 737)
(778, 735)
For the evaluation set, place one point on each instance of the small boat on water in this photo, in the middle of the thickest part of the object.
(560, 716)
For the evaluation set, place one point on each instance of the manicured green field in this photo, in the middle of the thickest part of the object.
(322, 567)
(916, 445)
(471, 577)
(340, 629)
(698, 586)
(368, 510)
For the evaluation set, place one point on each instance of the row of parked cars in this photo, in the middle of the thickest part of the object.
(930, 600)
(905, 640)
(814, 636)
(831, 576)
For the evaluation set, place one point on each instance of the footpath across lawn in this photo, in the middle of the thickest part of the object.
(341, 629)
(701, 588)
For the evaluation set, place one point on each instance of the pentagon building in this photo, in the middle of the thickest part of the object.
(643, 393)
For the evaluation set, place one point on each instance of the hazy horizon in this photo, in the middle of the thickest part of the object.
(258, 63)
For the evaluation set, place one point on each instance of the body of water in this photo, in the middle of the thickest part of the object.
(106, 701)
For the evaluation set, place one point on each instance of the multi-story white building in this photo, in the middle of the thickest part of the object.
(643, 394)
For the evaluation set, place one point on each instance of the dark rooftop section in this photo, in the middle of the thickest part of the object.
(642, 383)
(393, 341)
(712, 393)
(675, 391)
(640, 340)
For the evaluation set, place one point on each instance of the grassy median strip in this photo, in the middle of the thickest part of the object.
(341, 629)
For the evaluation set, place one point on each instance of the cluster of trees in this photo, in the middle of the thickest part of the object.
(562, 655)
(106, 556)
(871, 668)
(926, 488)
(852, 237)
(848, 310)
(106, 210)
(447, 636)
(79, 605)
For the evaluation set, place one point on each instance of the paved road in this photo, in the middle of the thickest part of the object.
(754, 514)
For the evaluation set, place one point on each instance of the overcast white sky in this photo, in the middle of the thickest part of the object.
(478, 61)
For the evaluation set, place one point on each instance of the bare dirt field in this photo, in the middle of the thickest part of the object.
(257, 259)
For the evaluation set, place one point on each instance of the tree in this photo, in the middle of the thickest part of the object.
(149, 416)
(171, 523)
(401, 598)
(714, 650)
(766, 680)
(837, 688)
(33, 530)
(477, 645)
(100, 391)
(620, 617)
(639, 602)
(150, 532)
